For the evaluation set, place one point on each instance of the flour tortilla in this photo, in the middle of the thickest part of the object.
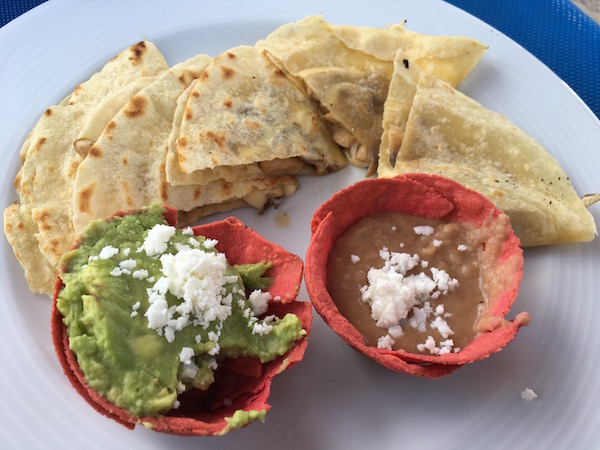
(20, 231)
(451, 135)
(246, 118)
(450, 58)
(402, 90)
(125, 168)
(337, 64)
(49, 163)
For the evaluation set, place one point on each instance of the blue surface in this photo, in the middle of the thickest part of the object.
(555, 31)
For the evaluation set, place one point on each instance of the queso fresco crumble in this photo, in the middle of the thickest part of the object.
(409, 283)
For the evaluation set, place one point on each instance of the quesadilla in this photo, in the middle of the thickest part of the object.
(348, 69)
(245, 119)
(450, 134)
(39, 227)
(125, 167)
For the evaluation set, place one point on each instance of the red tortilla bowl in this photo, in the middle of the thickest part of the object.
(427, 196)
(242, 383)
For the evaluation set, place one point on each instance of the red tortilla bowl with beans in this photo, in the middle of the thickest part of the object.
(429, 197)
(242, 384)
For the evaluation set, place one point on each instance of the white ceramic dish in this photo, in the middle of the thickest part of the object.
(335, 398)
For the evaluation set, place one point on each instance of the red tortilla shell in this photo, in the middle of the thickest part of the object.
(421, 195)
(241, 384)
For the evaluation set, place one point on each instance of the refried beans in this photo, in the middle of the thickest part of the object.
(429, 306)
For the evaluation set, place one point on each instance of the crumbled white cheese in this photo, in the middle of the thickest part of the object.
(186, 355)
(395, 331)
(188, 371)
(128, 264)
(194, 242)
(423, 230)
(259, 301)
(428, 345)
(156, 242)
(140, 274)
(529, 395)
(126, 251)
(444, 282)
(354, 258)
(437, 243)
(394, 228)
(116, 272)
(442, 326)
(419, 317)
(462, 248)
(385, 342)
(198, 279)
(187, 231)
(262, 328)
(93, 258)
(210, 243)
(108, 252)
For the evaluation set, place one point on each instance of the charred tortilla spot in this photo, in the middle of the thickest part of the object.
(110, 126)
(72, 170)
(125, 161)
(85, 195)
(41, 219)
(251, 124)
(137, 52)
(227, 72)
(164, 187)
(230, 55)
(202, 78)
(218, 139)
(182, 141)
(127, 191)
(136, 106)
(227, 186)
(48, 112)
(38, 144)
(188, 113)
(197, 192)
(186, 77)
(228, 103)
(95, 152)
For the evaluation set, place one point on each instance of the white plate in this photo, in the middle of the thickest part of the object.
(334, 398)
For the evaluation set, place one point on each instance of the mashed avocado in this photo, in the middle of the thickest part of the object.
(151, 311)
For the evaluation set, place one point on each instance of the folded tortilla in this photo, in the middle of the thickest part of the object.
(39, 228)
(125, 167)
(348, 69)
(450, 134)
(244, 120)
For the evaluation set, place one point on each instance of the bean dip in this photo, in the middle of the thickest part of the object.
(431, 308)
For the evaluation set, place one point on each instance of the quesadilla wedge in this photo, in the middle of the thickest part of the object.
(348, 70)
(39, 227)
(450, 134)
(125, 168)
(245, 119)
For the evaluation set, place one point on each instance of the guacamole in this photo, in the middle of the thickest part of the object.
(151, 311)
